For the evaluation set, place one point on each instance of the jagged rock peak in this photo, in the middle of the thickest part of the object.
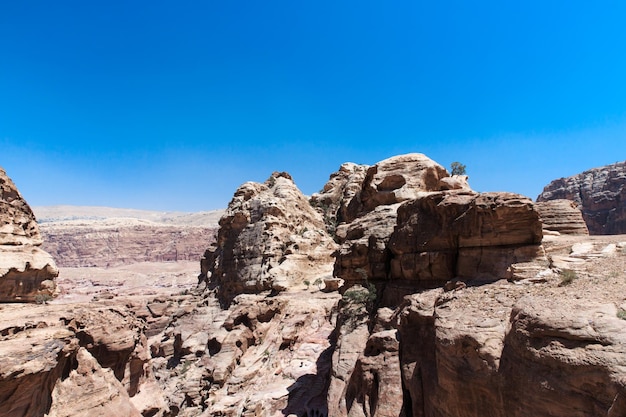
(334, 198)
(270, 238)
(357, 189)
(600, 194)
(26, 271)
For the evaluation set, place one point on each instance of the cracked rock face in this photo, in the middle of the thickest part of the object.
(26, 272)
(601, 195)
(414, 226)
(270, 238)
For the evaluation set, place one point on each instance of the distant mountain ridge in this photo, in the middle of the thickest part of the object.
(80, 236)
(65, 213)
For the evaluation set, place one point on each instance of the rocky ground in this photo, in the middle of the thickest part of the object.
(144, 279)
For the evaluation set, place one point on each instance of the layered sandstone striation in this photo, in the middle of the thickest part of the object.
(26, 271)
(270, 238)
(537, 347)
(105, 237)
(600, 193)
(412, 226)
(562, 216)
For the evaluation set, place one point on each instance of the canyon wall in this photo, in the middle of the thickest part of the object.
(601, 195)
(105, 237)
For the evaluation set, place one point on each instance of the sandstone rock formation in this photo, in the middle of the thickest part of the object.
(53, 360)
(497, 349)
(413, 226)
(464, 235)
(561, 216)
(270, 238)
(395, 180)
(601, 195)
(271, 342)
(26, 271)
(90, 390)
(336, 196)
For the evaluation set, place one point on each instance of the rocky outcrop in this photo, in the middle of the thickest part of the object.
(498, 349)
(64, 361)
(336, 196)
(463, 235)
(415, 227)
(17, 221)
(561, 216)
(90, 390)
(601, 195)
(395, 180)
(270, 238)
(27, 273)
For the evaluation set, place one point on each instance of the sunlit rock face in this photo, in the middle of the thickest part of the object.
(412, 225)
(270, 238)
(562, 217)
(27, 273)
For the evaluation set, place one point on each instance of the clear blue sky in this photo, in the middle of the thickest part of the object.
(171, 105)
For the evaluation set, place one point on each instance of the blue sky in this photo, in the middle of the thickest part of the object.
(171, 105)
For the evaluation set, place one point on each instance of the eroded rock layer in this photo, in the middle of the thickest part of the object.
(270, 238)
(64, 361)
(110, 243)
(17, 221)
(413, 226)
(26, 272)
(562, 216)
(551, 347)
(601, 195)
